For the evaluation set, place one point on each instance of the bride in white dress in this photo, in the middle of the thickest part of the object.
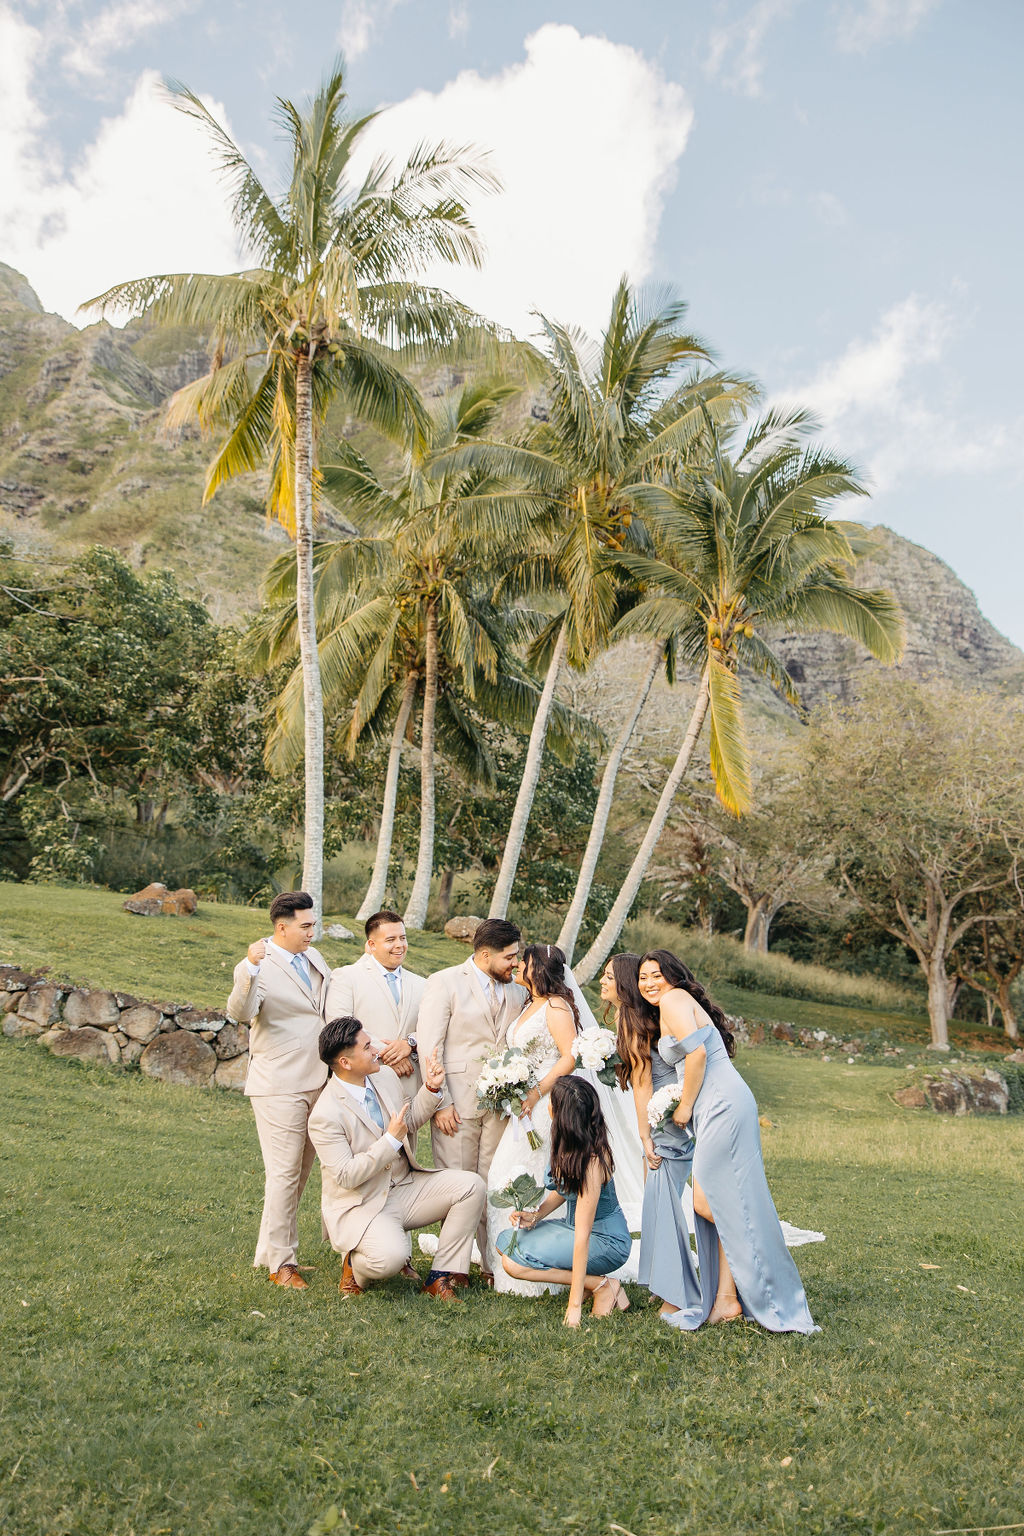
(547, 1028)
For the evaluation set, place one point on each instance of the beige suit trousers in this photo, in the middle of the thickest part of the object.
(288, 1155)
(455, 1199)
(471, 1148)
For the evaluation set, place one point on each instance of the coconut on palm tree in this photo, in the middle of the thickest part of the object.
(407, 616)
(334, 258)
(619, 413)
(751, 552)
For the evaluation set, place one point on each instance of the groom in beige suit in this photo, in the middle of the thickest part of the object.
(465, 1012)
(279, 991)
(379, 990)
(374, 1190)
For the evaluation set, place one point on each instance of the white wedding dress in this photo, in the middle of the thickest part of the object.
(515, 1155)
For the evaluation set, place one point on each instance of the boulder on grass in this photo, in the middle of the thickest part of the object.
(179, 1057)
(199, 1019)
(179, 903)
(148, 902)
(88, 1044)
(9, 1001)
(232, 1041)
(231, 1074)
(462, 929)
(16, 1028)
(338, 931)
(90, 1007)
(41, 1005)
(784, 1032)
(141, 1022)
(910, 1098)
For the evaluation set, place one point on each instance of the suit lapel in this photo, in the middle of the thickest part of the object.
(377, 977)
(361, 1113)
(293, 976)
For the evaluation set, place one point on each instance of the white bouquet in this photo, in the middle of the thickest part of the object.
(662, 1105)
(503, 1085)
(595, 1048)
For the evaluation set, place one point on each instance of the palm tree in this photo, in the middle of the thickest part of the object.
(615, 423)
(333, 260)
(409, 609)
(751, 552)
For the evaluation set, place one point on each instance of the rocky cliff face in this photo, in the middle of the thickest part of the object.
(84, 459)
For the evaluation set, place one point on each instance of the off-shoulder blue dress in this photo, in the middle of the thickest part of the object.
(729, 1167)
(667, 1265)
(550, 1243)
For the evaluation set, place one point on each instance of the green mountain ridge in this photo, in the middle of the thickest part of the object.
(85, 458)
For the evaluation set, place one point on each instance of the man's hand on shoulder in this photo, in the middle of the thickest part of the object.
(256, 952)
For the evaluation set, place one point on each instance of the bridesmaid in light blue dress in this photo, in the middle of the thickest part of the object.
(745, 1267)
(581, 1248)
(667, 1265)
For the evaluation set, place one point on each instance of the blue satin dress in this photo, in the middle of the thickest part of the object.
(667, 1264)
(549, 1244)
(729, 1167)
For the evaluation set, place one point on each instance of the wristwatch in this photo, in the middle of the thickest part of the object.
(412, 1043)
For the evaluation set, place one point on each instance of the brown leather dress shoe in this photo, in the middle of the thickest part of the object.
(442, 1289)
(459, 1281)
(347, 1284)
(408, 1273)
(288, 1276)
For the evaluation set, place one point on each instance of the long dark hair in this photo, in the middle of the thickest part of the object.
(637, 1030)
(679, 975)
(547, 975)
(578, 1134)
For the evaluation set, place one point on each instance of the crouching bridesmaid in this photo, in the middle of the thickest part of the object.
(581, 1248)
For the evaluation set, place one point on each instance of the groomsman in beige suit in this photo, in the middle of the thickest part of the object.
(379, 990)
(374, 1190)
(465, 1012)
(279, 991)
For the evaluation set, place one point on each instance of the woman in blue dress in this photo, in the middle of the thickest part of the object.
(667, 1265)
(581, 1248)
(745, 1267)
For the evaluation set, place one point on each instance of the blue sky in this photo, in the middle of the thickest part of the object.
(831, 184)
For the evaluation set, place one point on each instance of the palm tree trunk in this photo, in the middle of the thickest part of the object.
(312, 694)
(588, 868)
(382, 860)
(416, 911)
(528, 786)
(615, 921)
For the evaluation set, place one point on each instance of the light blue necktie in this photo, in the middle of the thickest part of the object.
(301, 965)
(373, 1108)
(394, 986)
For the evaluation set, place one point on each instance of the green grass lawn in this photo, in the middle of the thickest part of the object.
(154, 1385)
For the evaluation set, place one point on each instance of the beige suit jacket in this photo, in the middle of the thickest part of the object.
(285, 1019)
(360, 991)
(356, 1159)
(456, 1021)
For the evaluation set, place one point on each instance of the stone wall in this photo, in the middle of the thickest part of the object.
(171, 1041)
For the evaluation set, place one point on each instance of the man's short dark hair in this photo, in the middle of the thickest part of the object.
(290, 902)
(337, 1037)
(380, 918)
(495, 933)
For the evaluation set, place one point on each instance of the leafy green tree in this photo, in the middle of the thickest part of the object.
(909, 794)
(406, 617)
(620, 413)
(333, 263)
(750, 551)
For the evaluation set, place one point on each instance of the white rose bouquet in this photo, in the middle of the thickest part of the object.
(595, 1048)
(503, 1085)
(662, 1105)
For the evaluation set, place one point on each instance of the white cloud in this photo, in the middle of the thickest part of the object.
(871, 22)
(359, 21)
(585, 135)
(116, 27)
(458, 20)
(735, 50)
(888, 402)
(143, 197)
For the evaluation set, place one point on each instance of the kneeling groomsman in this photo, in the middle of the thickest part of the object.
(374, 1190)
